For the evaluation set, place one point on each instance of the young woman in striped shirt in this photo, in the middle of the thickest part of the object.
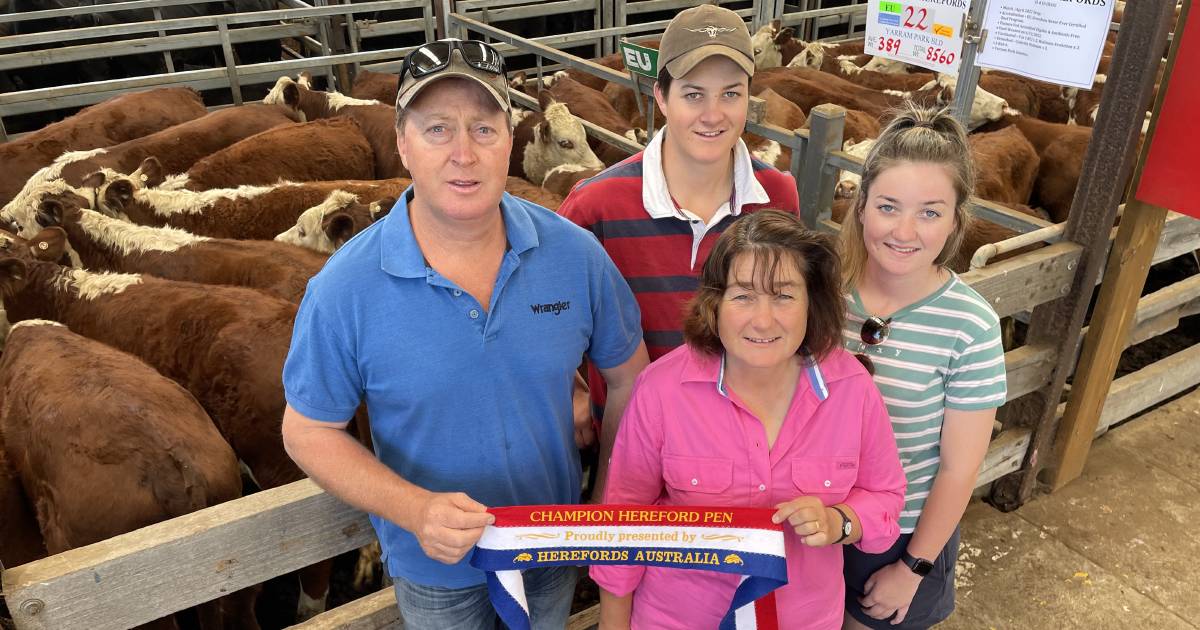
(933, 347)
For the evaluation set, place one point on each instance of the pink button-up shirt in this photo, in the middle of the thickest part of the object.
(685, 439)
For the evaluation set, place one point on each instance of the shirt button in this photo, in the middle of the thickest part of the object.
(695, 482)
(474, 314)
(457, 292)
(827, 484)
(762, 487)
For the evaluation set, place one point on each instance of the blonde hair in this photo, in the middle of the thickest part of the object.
(915, 134)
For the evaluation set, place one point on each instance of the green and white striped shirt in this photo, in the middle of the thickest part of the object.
(942, 352)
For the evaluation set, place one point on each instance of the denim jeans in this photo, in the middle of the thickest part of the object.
(549, 593)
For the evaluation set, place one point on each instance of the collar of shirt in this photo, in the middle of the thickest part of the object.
(401, 255)
(703, 368)
(657, 199)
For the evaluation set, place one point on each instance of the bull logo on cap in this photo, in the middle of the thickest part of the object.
(712, 30)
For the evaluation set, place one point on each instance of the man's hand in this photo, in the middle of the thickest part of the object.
(581, 404)
(449, 524)
(890, 590)
(810, 519)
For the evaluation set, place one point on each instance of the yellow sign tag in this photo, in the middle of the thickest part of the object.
(944, 30)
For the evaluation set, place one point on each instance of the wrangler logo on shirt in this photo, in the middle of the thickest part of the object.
(554, 307)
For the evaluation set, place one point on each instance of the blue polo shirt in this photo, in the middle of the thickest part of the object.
(462, 398)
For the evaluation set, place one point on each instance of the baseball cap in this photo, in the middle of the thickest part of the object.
(701, 32)
(448, 58)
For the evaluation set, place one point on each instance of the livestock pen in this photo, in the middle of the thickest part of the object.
(143, 575)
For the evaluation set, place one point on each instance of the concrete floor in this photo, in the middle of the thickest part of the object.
(1117, 548)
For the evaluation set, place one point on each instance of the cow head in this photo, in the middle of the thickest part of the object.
(767, 44)
(328, 226)
(558, 138)
(47, 245)
(26, 218)
(812, 55)
(985, 106)
(849, 181)
(286, 92)
(884, 65)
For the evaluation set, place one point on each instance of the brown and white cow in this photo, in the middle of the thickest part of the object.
(545, 139)
(224, 344)
(377, 120)
(301, 152)
(20, 535)
(591, 105)
(245, 212)
(114, 121)
(1006, 166)
(94, 431)
(379, 86)
(107, 244)
(562, 179)
(179, 147)
(325, 227)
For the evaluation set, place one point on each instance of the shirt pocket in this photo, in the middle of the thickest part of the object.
(697, 480)
(827, 478)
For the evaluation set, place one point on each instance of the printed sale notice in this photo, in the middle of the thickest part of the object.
(926, 33)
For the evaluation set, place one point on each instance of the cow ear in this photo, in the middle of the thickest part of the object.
(50, 213)
(784, 36)
(13, 275)
(339, 227)
(545, 100)
(291, 95)
(304, 80)
(151, 171)
(385, 206)
(517, 82)
(118, 195)
(49, 245)
(95, 180)
(775, 24)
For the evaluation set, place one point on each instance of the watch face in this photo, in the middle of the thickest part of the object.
(922, 567)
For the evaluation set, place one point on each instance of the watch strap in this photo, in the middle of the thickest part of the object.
(846, 524)
(920, 566)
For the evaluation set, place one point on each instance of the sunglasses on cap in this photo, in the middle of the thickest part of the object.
(435, 56)
(875, 330)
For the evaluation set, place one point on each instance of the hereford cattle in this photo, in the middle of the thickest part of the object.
(114, 121)
(808, 88)
(562, 179)
(518, 187)
(301, 152)
(1006, 166)
(246, 212)
(1061, 148)
(377, 120)
(780, 112)
(107, 244)
(92, 430)
(592, 106)
(326, 227)
(178, 148)
(545, 139)
(20, 536)
(774, 46)
(226, 345)
(379, 86)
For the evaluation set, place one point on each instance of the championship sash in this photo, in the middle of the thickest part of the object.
(741, 541)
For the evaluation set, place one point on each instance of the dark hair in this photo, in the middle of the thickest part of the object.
(773, 238)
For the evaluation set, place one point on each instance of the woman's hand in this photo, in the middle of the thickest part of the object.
(810, 519)
(890, 590)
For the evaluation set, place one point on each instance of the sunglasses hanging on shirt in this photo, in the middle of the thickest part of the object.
(875, 330)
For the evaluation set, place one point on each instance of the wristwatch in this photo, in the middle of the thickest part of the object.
(847, 524)
(920, 566)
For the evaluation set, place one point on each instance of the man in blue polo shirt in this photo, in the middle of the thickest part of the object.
(459, 319)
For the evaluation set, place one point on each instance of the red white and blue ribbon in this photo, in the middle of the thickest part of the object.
(741, 541)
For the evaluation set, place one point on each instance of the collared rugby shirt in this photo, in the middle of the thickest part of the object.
(942, 352)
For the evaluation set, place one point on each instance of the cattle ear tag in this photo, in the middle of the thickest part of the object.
(43, 245)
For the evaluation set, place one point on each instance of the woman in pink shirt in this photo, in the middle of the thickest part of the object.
(761, 408)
